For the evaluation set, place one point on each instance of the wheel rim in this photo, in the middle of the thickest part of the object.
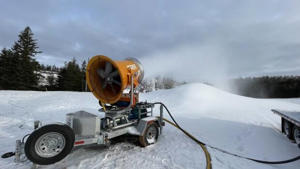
(151, 135)
(50, 144)
(297, 135)
(286, 128)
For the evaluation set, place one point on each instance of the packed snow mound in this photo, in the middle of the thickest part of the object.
(242, 125)
(239, 124)
(198, 100)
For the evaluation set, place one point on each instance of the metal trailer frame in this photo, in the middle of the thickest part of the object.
(90, 129)
(290, 120)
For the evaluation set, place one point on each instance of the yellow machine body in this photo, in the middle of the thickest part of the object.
(108, 84)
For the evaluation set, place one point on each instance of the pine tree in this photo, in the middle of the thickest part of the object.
(8, 70)
(70, 77)
(25, 50)
(3, 70)
(51, 82)
(83, 70)
(61, 78)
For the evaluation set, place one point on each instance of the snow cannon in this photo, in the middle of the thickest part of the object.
(107, 78)
(122, 114)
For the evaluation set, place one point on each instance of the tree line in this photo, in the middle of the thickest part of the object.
(19, 69)
(268, 86)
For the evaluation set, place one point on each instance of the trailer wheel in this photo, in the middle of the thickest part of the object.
(150, 136)
(287, 129)
(49, 144)
(297, 136)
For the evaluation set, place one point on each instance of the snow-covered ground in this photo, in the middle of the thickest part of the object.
(242, 125)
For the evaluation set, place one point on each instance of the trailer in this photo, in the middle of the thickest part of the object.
(290, 124)
(50, 143)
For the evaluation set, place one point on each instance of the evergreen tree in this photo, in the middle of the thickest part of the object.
(9, 66)
(25, 50)
(83, 70)
(70, 77)
(51, 80)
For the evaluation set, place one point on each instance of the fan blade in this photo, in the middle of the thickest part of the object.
(108, 68)
(114, 73)
(116, 82)
(104, 84)
(101, 73)
(112, 88)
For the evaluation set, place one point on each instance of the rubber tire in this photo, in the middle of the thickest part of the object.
(142, 139)
(296, 129)
(289, 133)
(65, 130)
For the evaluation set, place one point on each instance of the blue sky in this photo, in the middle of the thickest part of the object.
(189, 40)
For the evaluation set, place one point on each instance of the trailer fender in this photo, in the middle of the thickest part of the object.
(143, 123)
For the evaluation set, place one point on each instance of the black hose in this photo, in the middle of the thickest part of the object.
(25, 137)
(227, 152)
(8, 154)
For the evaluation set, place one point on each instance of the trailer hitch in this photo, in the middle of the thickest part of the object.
(18, 153)
(20, 146)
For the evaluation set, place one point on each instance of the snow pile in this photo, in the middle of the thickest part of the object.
(238, 124)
